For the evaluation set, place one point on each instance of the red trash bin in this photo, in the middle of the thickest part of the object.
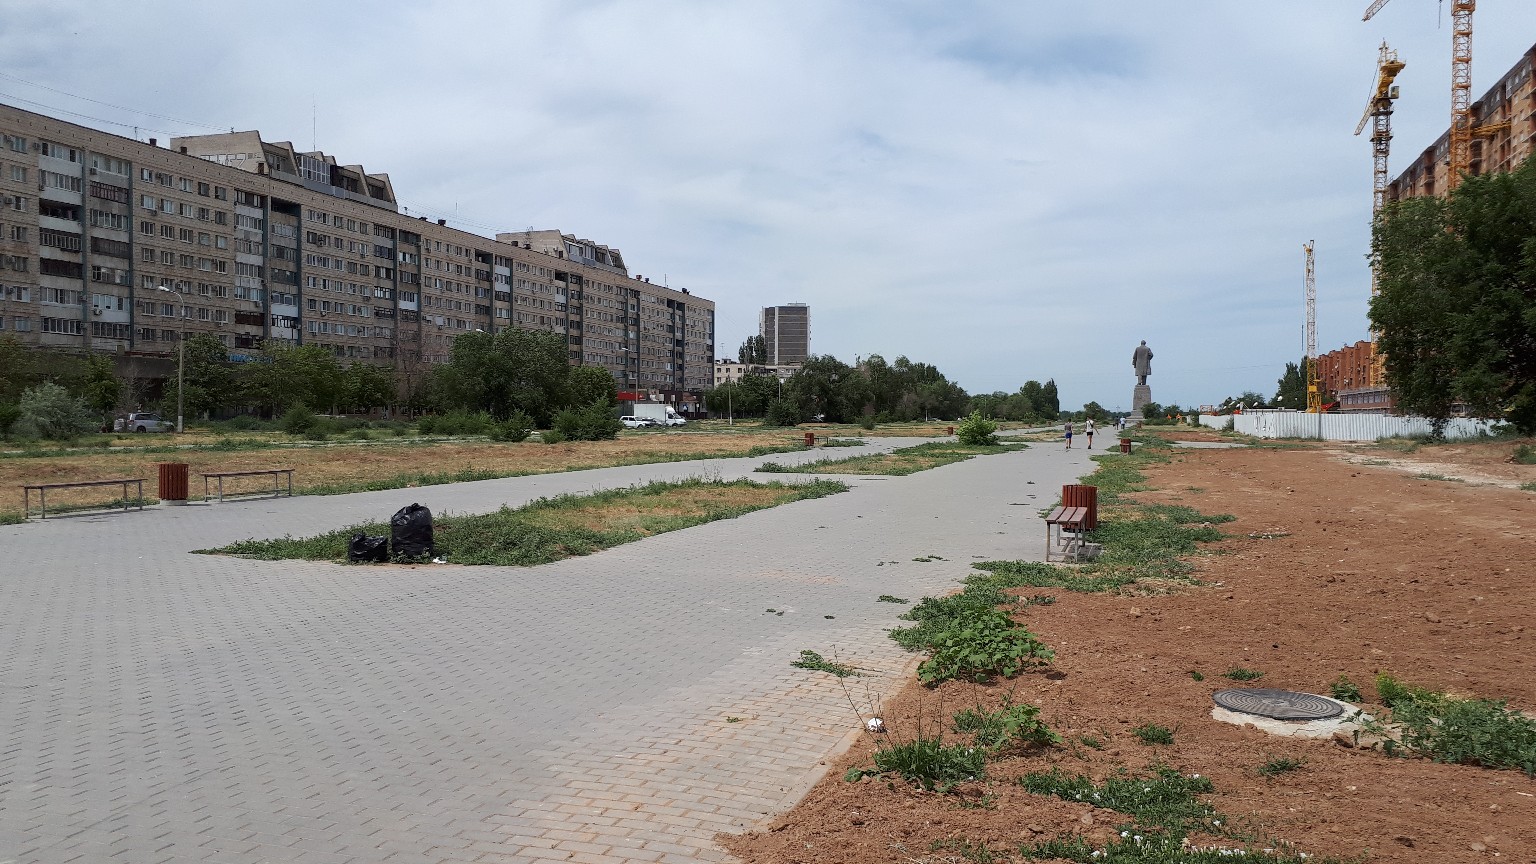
(1125, 445)
(810, 439)
(1080, 495)
(173, 482)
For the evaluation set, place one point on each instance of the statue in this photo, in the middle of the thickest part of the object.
(1141, 359)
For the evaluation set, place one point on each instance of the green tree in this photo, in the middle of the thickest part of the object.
(514, 370)
(49, 411)
(1456, 311)
(294, 375)
(366, 386)
(1095, 412)
(590, 384)
(1050, 403)
(20, 369)
(100, 387)
(1291, 389)
(824, 385)
(211, 382)
(754, 351)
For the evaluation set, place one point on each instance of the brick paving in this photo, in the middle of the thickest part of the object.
(157, 706)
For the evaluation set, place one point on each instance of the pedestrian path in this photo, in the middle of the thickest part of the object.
(158, 706)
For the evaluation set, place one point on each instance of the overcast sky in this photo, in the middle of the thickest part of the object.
(1007, 190)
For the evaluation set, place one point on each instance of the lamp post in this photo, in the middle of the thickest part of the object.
(181, 363)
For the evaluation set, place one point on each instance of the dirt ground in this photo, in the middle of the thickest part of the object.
(1373, 571)
(352, 462)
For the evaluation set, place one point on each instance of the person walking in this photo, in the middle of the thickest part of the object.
(1088, 430)
(1069, 434)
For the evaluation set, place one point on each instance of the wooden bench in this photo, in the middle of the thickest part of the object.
(1064, 530)
(277, 474)
(42, 493)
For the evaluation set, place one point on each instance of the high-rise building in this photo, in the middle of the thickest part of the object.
(116, 245)
(786, 332)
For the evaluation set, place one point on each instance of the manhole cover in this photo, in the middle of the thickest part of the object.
(1279, 704)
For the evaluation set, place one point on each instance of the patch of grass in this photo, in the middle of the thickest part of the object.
(1011, 727)
(1429, 476)
(1278, 765)
(1154, 847)
(898, 463)
(842, 442)
(1196, 674)
(733, 719)
(10, 517)
(1166, 798)
(968, 636)
(1091, 742)
(550, 529)
(1528, 487)
(887, 598)
(930, 764)
(1376, 462)
(1345, 690)
(1452, 729)
(1151, 733)
(927, 558)
(817, 663)
(1525, 454)
(1241, 674)
(977, 853)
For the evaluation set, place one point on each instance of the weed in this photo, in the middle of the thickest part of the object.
(1241, 674)
(1280, 765)
(1010, 727)
(1528, 487)
(1525, 454)
(1428, 476)
(1345, 690)
(983, 643)
(733, 719)
(842, 442)
(1451, 729)
(887, 598)
(1166, 798)
(1151, 733)
(985, 802)
(1376, 462)
(550, 529)
(1151, 847)
(1091, 742)
(1196, 674)
(978, 853)
(1268, 535)
(931, 764)
(817, 663)
(10, 517)
(1038, 600)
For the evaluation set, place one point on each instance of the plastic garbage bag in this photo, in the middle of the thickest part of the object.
(367, 550)
(411, 533)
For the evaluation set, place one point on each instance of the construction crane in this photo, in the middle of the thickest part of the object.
(1459, 159)
(1378, 112)
(1314, 388)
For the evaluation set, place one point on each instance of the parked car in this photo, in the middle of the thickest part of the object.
(143, 422)
(675, 420)
(630, 421)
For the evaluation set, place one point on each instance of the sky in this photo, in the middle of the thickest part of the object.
(1008, 190)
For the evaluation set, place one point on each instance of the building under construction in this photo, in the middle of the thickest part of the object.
(1503, 134)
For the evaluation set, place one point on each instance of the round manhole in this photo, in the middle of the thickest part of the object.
(1279, 704)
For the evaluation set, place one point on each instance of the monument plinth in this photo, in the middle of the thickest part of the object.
(1141, 361)
(1139, 399)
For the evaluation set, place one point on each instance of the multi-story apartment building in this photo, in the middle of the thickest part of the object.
(786, 332)
(117, 245)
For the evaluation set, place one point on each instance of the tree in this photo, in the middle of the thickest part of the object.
(753, 352)
(1291, 389)
(210, 378)
(50, 411)
(514, 370)
(293, 375)
(590, 384)
(1095, 412)
(1456, 311)
(367, 386)
(824, 385)
(100, 387)
(1050, 403)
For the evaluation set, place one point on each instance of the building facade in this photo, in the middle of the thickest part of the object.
(111, 244)
(786, 332)
(1345, 374)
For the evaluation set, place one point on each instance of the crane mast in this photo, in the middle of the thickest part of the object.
(1314, 390)
(1459, 155)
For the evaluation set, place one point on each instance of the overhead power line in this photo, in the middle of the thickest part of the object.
(111, 105)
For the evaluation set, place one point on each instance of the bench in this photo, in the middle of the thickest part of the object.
(276, 473)
(1064, 530)
(42, 493)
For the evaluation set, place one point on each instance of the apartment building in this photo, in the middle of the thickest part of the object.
(116, 245)
(786, 332)
(1503, 135)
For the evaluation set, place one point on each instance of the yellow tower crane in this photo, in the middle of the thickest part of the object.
(1459, 159)
(1378, 112)
(1314, 384)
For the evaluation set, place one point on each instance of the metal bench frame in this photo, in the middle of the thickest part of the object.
(277, 490)
(42, 493)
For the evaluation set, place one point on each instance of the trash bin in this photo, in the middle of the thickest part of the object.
(810, 439)
(1125, 445)
(950, 431)
(173, 483)
(1080, 495)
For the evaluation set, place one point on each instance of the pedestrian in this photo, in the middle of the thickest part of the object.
(1069, 435)
(1088, 430)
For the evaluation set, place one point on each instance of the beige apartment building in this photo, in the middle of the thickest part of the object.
(111, 244)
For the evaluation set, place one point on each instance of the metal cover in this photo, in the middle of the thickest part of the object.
(1279, 704)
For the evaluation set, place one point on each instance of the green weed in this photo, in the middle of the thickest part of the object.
(1166, 798)
(1345, 690)
(1151, 733)
(978, 853)
(1008, 728)
(1428, 476)
(980, 645)
(1196, 674)
(931, 764)
(897, 463)
(1280, 765)
(817, 663)
(1451, 729)
(887, 598)
(1091, 742)
(1525, 454)
(1241, 674)
(1154, 847)
(1528, 487)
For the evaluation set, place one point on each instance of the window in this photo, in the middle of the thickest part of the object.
(108, 192)
(55, 180)
(147, 228)
(113, 248)
(19, 203)
(19, 173)
(58, 151)
(59, 239)
(15, 262)
(67, 326)
(148, 202)
(112, 221)
(15, 143)
(19, 232)
(58, 210)
(109, 165)
(21, 325)
(66, 269)
(168, 232)
(110, 275)
(107, 330)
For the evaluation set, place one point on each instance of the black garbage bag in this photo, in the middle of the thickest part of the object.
(367, 550)
(411, 532)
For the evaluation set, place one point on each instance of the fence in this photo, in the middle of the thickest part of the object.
(1341, 427)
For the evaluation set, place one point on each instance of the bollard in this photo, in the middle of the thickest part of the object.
(1079, 495)
(1125, 445)
(173, 483)
(810, 439)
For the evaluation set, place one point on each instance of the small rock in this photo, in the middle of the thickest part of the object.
(1404, 839)
(1087, 819)
(1431, 617)
(1479, 847)
(1135, 612)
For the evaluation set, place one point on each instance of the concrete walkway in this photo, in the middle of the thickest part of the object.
(157, 706)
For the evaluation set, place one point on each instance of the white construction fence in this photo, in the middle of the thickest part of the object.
(1340, 427)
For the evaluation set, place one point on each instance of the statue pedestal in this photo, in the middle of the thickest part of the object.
(1139, 399)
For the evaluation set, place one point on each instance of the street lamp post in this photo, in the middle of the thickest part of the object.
(181, 363)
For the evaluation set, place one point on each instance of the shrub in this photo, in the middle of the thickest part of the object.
(782, 412)
(298, 420)
(1012, 726)
(1151, 733)
(552, 436)
(977, 430)
(48, 410)
(867, 422)
(595, 422)
(985, 643)
(1524, 455)
(513, 429)
(427, 425)
(9, 414)
(464, 423)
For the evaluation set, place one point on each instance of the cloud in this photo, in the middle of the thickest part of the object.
(1005, 190)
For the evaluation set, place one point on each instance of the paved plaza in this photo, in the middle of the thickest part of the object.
(159, 706)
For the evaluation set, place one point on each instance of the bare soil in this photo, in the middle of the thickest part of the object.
(1366, 570)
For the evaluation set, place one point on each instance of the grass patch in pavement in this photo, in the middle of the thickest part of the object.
(550, 529)
(897, 463)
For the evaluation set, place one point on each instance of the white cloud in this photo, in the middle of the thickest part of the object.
(1006, 190)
